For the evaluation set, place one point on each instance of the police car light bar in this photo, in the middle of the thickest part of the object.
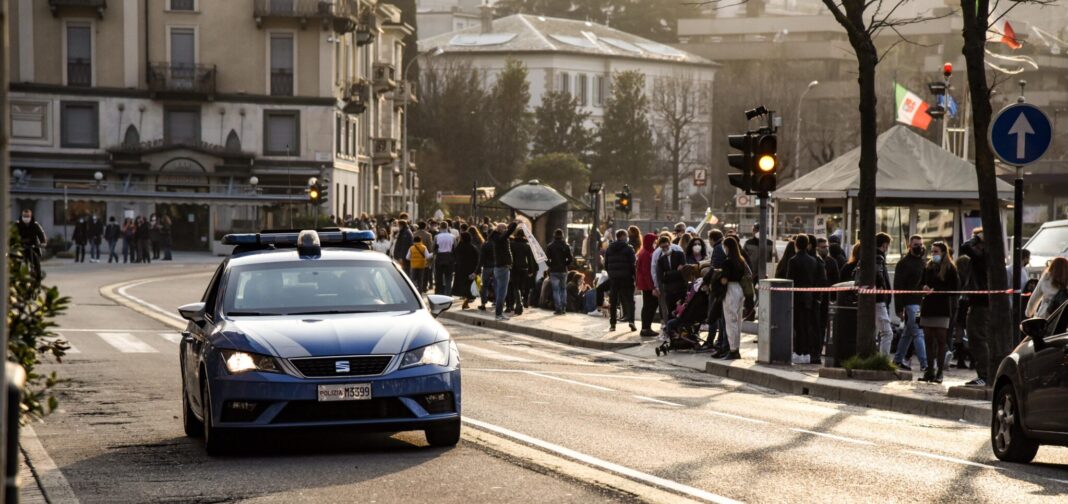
(291, 238)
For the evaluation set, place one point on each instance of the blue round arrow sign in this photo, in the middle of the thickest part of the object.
(1020, 134)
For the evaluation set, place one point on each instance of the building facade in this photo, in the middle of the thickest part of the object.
(435, 17)
(580, 58)
(213, 113)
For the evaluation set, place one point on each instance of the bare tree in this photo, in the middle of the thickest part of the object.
(674, 105)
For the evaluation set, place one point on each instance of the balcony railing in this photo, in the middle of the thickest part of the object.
(385, 77)
(383, 150)
(340, 14)
(356, 96)
(99, 5)
(79, 72)
(281, 82)
(180, 78)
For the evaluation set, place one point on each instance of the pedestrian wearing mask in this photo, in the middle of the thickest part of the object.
(96, 236)
(734, 269)
(697, 251)
(909, 275)
(524, 267)
(382, 243)
(81, 237)
(33, 239)
(717, 328)
(112, 232)
(972, 271)
(672, 285)
(885, 334)
(1052, 287)
(644, 283)
(939, 275)
(402, 245)
(445, 260)
(805, 271)
(619, 262)
(831, 269)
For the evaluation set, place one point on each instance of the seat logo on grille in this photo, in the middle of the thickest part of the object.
(341, 366)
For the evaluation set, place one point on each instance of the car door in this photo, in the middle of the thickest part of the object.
(1046, 374)
(196, 338)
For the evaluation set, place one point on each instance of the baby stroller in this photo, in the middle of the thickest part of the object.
(684, 331)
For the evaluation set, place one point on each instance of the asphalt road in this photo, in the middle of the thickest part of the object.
(118, 435)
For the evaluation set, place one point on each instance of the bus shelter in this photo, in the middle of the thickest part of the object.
(920, 189)
(546, 208)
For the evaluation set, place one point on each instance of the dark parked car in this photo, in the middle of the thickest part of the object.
(1031, 391)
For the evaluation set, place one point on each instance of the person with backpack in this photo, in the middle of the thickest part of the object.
(111, 235)
(419, 259)
(936, 310)
(1052, 289)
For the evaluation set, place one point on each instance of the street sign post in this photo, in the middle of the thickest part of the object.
(1019, 135)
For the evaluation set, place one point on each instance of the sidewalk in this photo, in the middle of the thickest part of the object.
(801, 379)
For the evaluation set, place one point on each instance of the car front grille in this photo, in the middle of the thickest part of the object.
(358, 365)
(314, 411)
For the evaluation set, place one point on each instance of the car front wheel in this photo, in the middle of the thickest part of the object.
(192, 425)
(1006, 431)
(215, 442)
(444, 435)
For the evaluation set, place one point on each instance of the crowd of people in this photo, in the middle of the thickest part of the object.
(142, 239)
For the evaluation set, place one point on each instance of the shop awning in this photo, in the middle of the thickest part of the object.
(910, 167)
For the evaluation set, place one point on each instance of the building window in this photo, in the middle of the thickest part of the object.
(183, 5)
(181, 126)
(565, 82)
(598, 90)
(281, 133)
(338, 134)
(79, 55)
(79, 125)
(583, 89)
(281, 64)
(30, 121)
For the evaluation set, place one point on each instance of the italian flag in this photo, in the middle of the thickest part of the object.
(1002, 31)
(911, 109)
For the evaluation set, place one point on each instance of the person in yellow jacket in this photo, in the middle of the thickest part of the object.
(419, 259)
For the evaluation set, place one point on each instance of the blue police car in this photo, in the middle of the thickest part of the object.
(310, 329)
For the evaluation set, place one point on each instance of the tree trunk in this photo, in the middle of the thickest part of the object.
(867, 58)
(976, 21)
(676, 163)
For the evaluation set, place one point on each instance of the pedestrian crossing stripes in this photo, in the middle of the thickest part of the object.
(131, 341)
(127, 343)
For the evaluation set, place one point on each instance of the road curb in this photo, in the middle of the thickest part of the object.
(111, 292)
(53, 485)
(856, 396)
(536, 332)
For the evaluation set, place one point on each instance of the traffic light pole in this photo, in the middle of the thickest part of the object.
(762, 240)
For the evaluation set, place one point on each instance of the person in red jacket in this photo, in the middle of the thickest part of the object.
(644, 283)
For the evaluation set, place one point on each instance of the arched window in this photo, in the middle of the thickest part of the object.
(132, 138)
(233, 143)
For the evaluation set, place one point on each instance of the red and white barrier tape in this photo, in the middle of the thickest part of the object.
(871, 291)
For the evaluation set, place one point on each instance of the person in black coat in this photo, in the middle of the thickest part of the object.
(502, 265)
(112, 232)
(558, 258)
(669, 275)
(81, 237)
(485, 265)
(908, 276)
(939, 275)
(402, 245)
(466, 269)
(33, 239)
(805, 271)
(619, 263)
(524, 267)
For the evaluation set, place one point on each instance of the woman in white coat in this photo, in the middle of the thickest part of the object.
(1053, 281)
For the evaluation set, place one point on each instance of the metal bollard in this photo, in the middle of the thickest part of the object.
(16, 379)
(775, 338)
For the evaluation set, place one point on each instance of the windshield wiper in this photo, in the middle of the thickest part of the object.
(330, 312)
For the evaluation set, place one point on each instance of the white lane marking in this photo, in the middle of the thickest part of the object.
(127, 343)
(950, 459)
(72, 350)
(569, 373)
(52, 479)
(573, 382)
(173, 337)
(658, 401)
(490, 354)
(123, 293)
(553, 357)
(832, 436)
(633, 474)
(736, 417)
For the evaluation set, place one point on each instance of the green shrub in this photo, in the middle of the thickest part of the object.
(32, 307)
(876, 362)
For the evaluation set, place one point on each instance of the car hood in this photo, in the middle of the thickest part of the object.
(331, 335)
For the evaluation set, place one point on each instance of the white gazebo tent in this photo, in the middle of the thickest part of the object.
(920, 189)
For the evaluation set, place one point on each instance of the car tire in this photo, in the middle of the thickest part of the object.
(445, 435)
(190, 423)
(1006, 431)
(215, 439)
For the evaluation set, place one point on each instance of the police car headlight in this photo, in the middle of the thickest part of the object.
(437, 354)
(243, 362)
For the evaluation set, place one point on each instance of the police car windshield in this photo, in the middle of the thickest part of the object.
(317, 287)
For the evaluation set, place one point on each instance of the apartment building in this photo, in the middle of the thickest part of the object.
(214, 113)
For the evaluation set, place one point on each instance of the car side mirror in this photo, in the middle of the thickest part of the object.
(438, 304)
(1034, 328)
(193, 312)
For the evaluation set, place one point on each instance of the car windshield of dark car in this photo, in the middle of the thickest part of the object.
(317, 287)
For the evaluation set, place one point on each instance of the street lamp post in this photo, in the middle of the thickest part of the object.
(407, 194)
(254, 181)
(797, 129)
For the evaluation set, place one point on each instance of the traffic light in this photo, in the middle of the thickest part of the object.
(314, 194)
(623, 200)
(741, 161)
(765, 164)
(324, 192)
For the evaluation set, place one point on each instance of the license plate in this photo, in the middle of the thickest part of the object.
(345, 392)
